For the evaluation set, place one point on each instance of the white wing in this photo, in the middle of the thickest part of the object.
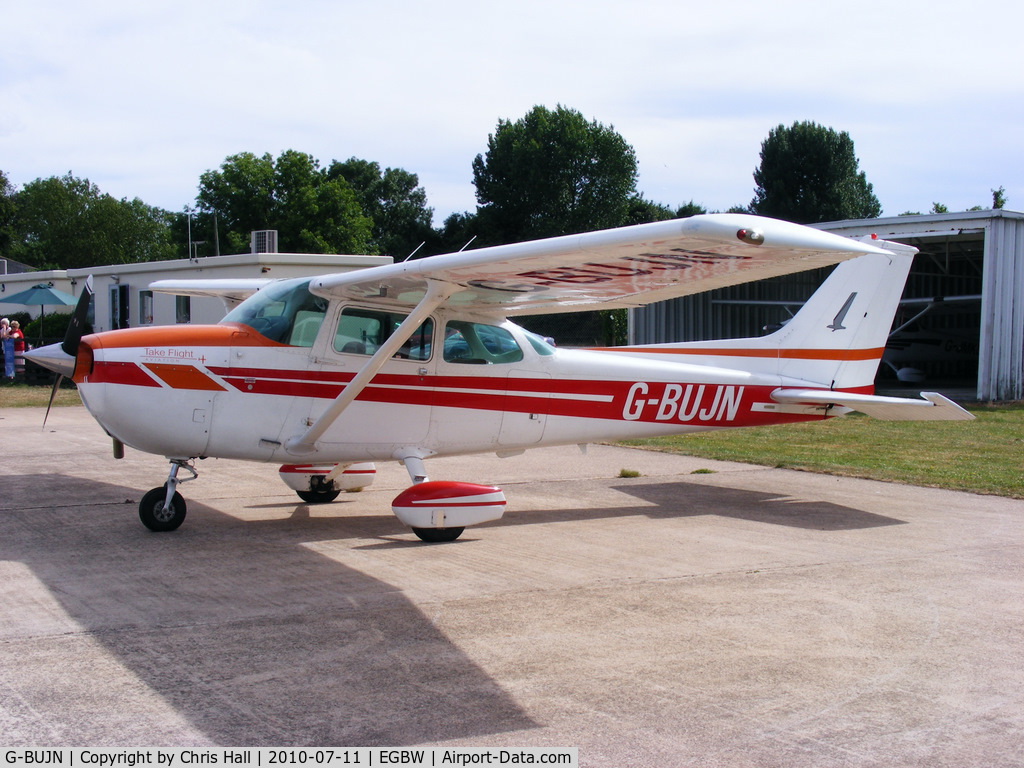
(626, 267)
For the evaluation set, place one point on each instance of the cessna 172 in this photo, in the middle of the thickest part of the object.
(418, 359)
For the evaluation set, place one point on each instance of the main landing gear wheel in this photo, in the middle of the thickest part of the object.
(319, 497)
(438, 535)
(155, 517)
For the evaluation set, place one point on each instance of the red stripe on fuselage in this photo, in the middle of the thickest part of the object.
(112, 372)
(644, 402)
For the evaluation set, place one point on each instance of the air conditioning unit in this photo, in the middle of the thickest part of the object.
(263, 241)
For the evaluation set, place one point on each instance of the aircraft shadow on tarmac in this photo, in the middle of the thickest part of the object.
(249, 634)
(678, 499)
(755, 506)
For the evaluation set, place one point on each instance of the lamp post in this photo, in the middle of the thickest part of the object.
(188, 248)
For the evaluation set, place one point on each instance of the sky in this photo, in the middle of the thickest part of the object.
(142, 97)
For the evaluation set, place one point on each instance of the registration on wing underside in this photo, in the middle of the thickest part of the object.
(592, 280)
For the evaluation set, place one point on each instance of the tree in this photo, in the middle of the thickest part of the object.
(690, 209)
(311, 212)
(394, 200)
(459, 231)
(998, 198)
(553, 173)
(809, 174)
(66, 222)
(641, 211)
(6, 215)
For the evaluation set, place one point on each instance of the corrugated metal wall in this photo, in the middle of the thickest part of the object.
(1001, 362)
(729, 313)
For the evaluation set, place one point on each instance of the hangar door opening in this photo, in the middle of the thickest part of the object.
(935, 338)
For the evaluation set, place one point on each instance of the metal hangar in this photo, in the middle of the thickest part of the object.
(960, 325)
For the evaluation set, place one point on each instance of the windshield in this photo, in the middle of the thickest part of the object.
(285, 312)
(540, 344)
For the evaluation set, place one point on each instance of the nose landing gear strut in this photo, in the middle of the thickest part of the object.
(163, 508)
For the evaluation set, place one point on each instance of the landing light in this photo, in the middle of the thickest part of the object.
(751, 236)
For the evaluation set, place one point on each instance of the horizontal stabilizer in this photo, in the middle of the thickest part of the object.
(934, 407)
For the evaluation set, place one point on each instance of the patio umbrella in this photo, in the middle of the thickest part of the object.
(43, 295)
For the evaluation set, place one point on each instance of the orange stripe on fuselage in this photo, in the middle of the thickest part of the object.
(184, 377)
(839, 355)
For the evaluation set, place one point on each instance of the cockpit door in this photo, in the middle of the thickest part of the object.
(524, 418)
(395, 405)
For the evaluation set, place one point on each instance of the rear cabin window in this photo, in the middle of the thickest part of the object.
(285, 312)
(479, 344)
(363, 331)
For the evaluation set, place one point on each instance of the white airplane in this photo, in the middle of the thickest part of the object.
(413, 360)
(911, 344)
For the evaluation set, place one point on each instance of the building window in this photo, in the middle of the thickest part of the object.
(183, 309)
(118, 307)
(145, 307)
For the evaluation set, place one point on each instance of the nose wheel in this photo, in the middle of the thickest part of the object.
(163, 508)
(157, 515)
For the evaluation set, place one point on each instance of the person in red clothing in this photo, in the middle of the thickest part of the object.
(19, 348)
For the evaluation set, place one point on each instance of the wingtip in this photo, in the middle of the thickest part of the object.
(776, 233)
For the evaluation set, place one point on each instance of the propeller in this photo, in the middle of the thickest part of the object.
(76, 327)
(72, 338)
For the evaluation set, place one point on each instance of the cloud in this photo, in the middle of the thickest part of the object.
(143, 97)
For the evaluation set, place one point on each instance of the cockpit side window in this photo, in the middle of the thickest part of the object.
(285, 312)
(363, 331)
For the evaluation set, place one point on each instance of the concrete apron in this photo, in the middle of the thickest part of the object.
(749, 616)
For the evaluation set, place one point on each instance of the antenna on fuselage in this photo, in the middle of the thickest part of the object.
(467, 244)
(414, 251)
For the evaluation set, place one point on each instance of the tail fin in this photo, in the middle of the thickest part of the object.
(837, 338)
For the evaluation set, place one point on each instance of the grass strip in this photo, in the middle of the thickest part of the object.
(25, 396)
(982, 456)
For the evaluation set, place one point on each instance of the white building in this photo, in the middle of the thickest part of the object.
(123, 298)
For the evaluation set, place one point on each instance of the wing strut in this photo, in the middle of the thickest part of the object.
(437, 293)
